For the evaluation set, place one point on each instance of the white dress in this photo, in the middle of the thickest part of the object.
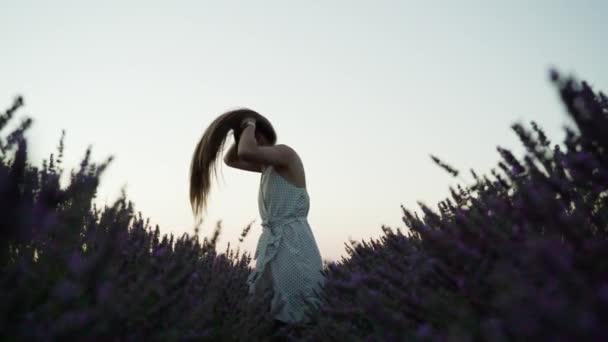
(286, 250)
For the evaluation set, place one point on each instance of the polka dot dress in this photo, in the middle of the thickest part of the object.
(287, 257)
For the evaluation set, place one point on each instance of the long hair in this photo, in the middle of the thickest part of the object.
(208, 150)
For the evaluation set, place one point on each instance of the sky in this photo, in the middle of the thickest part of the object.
(364, 91)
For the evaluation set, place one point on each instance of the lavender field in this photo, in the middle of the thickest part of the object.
(519, 255)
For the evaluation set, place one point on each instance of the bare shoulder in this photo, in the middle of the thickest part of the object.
(286, 149)
(293, 172)
(295, 162)
(290, 152)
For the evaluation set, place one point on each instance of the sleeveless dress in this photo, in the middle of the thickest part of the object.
(287, 257)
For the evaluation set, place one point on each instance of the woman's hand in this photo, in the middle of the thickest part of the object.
(246, 122)
(247, 141)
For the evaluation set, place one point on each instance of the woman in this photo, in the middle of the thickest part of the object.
(288, 261)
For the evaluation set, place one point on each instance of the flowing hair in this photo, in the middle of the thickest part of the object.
(208, 150)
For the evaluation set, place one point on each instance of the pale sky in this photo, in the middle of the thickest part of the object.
(364, 91)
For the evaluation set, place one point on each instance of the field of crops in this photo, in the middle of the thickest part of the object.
(520, 255)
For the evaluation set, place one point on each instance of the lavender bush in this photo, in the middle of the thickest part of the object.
(519, 255)
(73, 272)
